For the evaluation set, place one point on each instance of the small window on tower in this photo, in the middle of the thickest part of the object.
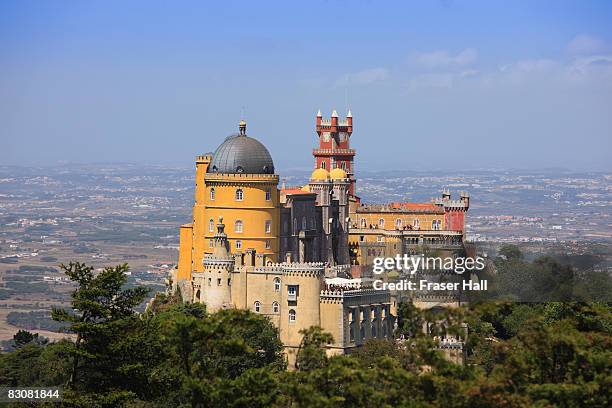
(381, 223)
(212, 193)
(210, 243)
(257, 307)
(277, 284)
(268, 226)
(239, 195)
(323, 165)
(238, 244)
(275, 307)
(292, 316)
(343, 166)
(268, 194)
(211, 225)
(268, 244)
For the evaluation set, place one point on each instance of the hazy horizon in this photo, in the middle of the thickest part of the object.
(432, 86)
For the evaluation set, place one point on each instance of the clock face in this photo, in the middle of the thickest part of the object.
(326, 136)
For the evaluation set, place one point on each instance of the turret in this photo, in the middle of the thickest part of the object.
(464, 197)
(215, 282)
(446, 195)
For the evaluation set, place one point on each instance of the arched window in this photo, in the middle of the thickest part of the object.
(381, 223)
(239, 195)
(211, 225)
(398, 223)
(268, 226)
(212, 193)
(275, 307)
(323, 165)
(292, 316)
(238, 244)
(268, 244)
(363, 223)
(257, 307)
(415, 223)
(238, 227)
(277, 284)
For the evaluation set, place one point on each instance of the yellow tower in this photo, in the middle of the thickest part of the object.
(237, 182)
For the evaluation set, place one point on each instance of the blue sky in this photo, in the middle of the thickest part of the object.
(432, 85)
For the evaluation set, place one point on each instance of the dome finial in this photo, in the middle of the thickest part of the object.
(242, 127)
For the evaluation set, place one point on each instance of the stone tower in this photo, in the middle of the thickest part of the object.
(214, 284)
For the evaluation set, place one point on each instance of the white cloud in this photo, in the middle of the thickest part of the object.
(585, 44)
(444, 58)
(367, 76)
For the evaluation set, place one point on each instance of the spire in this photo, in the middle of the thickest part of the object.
(334, 114)
(349, 114)
(319, 115)
(242, 127)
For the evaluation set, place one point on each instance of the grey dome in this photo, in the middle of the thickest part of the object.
(241, 154)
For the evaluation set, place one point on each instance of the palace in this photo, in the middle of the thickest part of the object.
(301, 255)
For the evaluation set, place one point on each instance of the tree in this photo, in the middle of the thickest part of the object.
(311, 353)
(98, 301)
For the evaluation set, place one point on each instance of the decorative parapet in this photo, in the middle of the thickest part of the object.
(386, 208)
(347, 152)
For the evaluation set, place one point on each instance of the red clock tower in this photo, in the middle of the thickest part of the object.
(334, 145)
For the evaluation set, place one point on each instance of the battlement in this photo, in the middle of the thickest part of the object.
(204, 158)
(237, 177)
(333, 152)
(416, 208)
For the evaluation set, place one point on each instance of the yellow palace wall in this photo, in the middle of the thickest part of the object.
(253, 210)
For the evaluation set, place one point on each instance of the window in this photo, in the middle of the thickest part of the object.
(268, 244)
(363, 223)
(210, 243)
(211, 225)
(238, 244)
(381, 223)
(238, 226)
(398, 223)
(268, 194)
(209, 281)
(361, 238)
(291, 316)
(275, 307)
(323, 165)
(415, 223)
(343, 166)
(239, 195)
(291, 292)
(435, 224)
(229, 282)
(277, 284)
(268, 226)
(219, 282)
(303, 223)
(295, 226)
(212, 193)
(257, 307)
